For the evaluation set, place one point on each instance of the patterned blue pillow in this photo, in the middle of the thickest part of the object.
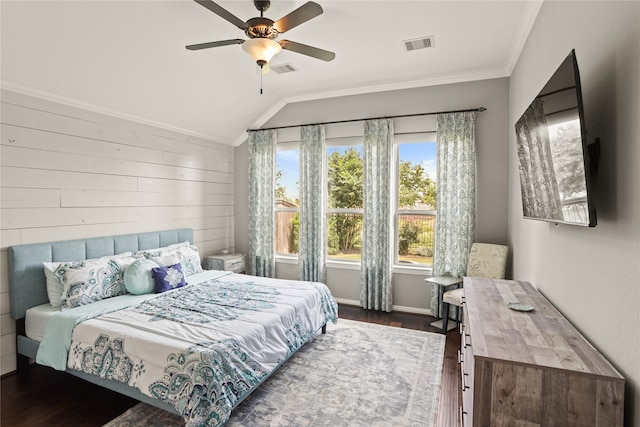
(168, 278)
(55, 273)
(190, 260)
(92, 280)
(185, 253)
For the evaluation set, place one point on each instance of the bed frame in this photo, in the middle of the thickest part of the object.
(27, 288)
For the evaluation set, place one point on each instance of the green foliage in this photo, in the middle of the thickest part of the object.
(424, 251)
(425, 237)
(281, 192)
(345, 191)
(415, 186)
(407, 236)
(344, 177)
(293, 234)
(345, 232)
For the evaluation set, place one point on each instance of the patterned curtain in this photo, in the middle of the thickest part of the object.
(455, 197)
(537, 175)
(375, 277)
(261, 200)
(311, 236)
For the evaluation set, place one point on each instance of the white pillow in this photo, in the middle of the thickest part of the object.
(166, 260)
(190, 260)
(184, 253)
(165, 250)
(54, 287)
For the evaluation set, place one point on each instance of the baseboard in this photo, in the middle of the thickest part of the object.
(400, 308)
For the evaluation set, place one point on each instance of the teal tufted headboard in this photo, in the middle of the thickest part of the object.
(27, 285)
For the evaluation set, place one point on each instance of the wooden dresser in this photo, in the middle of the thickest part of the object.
(530, 368)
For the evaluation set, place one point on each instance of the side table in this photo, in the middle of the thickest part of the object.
(227, 262)
(443, 283)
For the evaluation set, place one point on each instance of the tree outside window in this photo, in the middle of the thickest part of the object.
(415, 216)
(415, 202)
(287, 209)
(344, 210)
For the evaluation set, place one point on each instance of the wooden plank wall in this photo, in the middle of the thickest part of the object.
(69, 173)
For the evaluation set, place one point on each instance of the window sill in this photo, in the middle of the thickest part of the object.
(343, 265)
(419, 271)
(346, 265)
(284, 259)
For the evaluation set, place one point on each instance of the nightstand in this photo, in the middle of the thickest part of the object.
(443, 282)
(226, 262)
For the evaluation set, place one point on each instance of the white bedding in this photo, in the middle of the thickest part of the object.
(36, 320)
(203, 347)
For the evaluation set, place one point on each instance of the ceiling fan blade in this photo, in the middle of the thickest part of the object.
(223, 13)
(299, 16)
(322, 54)
(214, 44)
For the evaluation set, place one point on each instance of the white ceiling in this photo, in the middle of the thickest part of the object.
(128, 58)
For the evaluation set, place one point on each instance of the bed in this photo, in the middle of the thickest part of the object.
(198, 349)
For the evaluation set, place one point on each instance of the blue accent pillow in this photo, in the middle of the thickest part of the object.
(138, 277)
(168, 278)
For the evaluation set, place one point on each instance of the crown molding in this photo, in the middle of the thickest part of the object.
(529, 17)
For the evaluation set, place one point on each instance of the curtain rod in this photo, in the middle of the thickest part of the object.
(372, 118)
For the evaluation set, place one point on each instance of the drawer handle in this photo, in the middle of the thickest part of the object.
(462, 413)
(464, 381)
(465, 342)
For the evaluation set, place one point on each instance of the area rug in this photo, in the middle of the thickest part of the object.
(357, 374)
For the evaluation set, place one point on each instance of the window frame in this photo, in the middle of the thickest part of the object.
(287, 146)
(407, 138)
(399, 138)
(329, 143)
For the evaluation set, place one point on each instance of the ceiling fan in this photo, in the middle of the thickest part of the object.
(262, 32)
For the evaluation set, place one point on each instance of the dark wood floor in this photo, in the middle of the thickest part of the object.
(45, 397)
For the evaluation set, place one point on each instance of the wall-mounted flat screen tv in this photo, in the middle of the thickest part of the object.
(552, 152)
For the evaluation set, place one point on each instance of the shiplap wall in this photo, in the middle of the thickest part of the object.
(70, 173)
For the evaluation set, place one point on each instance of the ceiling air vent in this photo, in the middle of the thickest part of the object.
(421, 43)
(283, 68)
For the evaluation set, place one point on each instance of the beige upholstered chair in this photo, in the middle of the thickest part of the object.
(485, 260)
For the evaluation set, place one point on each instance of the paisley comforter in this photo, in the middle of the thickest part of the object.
(205, 346)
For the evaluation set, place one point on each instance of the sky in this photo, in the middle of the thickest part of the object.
(417, 153)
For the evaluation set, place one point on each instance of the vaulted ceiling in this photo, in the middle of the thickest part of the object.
(128, 58)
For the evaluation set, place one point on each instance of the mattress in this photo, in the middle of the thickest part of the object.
(200, 348)
(36, 320)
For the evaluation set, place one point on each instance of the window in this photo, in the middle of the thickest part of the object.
(287, 208)
(413, 194)
(344, 203)
(415, 202)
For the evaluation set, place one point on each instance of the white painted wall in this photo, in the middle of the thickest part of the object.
(591, 275)
(410, 290)
(68, 173)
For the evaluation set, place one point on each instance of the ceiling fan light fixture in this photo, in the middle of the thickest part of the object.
(261, 49)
